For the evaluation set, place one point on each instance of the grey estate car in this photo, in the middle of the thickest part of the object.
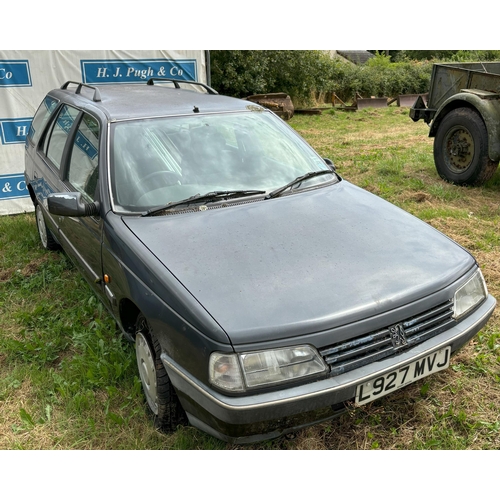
(263, 292)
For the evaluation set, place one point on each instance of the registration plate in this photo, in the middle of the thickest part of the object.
(389, 382)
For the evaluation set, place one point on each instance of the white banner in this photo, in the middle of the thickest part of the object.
(27, 75)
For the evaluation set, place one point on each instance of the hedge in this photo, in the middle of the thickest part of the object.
(309, 74)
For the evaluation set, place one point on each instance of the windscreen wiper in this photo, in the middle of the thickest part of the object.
(302, 178)
(207, 197)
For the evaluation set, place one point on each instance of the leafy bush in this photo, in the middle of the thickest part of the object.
(240, 73)
(304, 74)
(445, 55)
(381, 78)
(307, 75)
(476, 55)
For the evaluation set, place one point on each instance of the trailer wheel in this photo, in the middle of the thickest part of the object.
(461, 149)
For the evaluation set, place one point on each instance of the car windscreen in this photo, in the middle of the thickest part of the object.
(162, 160)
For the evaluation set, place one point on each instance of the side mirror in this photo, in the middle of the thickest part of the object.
(330, 164)
(71, 205)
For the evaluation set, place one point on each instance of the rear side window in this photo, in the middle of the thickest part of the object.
(84, 167)
(56, 138)
(40, 119)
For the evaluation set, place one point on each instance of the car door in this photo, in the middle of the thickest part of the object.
(45, 159)
(81, 237)
(33, 162)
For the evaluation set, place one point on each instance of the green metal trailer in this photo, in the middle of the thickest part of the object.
(463, 112)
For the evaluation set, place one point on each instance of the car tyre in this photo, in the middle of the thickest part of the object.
(46, 238)
(161, 397)
(461, 149)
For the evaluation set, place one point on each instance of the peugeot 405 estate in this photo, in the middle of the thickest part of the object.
(262, 290)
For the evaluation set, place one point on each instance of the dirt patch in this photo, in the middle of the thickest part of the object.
(417, 197)
(34, 266)
(28, 270)
(5, 274)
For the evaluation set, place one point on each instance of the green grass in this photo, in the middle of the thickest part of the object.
(68, 379)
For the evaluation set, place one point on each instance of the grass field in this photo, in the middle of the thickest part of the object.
(68, 380)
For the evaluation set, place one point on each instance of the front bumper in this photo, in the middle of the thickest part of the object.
(256, 417)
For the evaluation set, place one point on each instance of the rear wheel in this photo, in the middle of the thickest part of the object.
(160, 395)
(46, 238)
(461, 149)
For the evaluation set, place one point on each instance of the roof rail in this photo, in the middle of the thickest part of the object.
(176, 83)
(97, 95)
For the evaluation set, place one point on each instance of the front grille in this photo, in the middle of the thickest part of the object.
(360, 351)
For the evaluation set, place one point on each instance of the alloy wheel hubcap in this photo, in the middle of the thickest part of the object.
(41, 226)
(147, 371)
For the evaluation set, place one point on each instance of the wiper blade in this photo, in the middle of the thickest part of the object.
(207, 197)
(302, 178)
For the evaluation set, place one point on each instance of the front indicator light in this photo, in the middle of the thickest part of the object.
(469, 295)
(264, 368)
(224, 371)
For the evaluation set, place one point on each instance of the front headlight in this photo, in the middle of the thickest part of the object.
(469, 295)
(237, 372)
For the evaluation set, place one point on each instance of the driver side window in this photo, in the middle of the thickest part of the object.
(83, 172)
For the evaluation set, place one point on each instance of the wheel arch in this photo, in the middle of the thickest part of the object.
(32, 194)
(129, 312)
(488, 110)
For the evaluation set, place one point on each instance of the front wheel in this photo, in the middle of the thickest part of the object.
(160, 395)
(461, 149)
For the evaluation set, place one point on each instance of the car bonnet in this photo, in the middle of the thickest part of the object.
(304, 262)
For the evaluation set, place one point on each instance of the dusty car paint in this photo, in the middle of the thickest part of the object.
(303, 263)
(329, 266)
